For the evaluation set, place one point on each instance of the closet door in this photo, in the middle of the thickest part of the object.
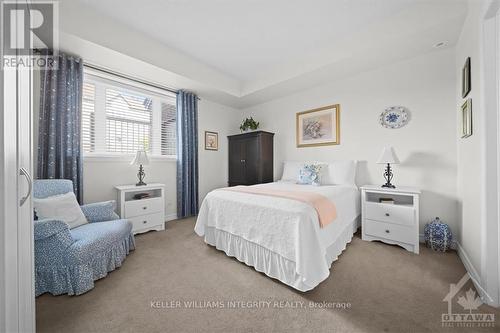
(24, 200)
(17, 301)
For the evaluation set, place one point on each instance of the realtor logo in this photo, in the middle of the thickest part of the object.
(471, 303)
(28, 31)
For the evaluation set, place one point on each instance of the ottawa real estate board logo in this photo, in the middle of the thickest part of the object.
(30, 34)
(470, 302)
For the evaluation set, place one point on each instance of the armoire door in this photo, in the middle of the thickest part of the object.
(236, 162)
(251, 160)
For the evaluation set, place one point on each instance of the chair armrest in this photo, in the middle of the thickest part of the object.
(100, 211)
(46, 228)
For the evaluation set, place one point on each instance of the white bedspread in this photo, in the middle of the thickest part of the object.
(283, 226)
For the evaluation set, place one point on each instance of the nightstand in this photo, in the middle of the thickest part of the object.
(146, 212)
(395, 221)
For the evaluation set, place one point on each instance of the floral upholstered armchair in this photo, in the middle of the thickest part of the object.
(68, 261)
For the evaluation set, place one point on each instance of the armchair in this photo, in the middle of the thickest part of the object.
(68, 261)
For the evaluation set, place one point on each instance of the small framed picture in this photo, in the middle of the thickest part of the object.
(466, 80)
(466, 125)
(211, 140)
(319, 127)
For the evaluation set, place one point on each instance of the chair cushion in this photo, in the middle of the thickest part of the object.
(62, 207)
(94, 238)
(43, 188)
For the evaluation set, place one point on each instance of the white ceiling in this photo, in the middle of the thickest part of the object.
(267, 44)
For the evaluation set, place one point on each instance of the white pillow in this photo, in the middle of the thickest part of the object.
(63, 207)
(291, 170)
(341, 173)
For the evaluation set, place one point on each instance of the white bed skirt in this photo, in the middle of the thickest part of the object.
(269, 262)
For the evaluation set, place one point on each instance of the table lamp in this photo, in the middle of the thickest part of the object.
(141, 158)
(388, 157)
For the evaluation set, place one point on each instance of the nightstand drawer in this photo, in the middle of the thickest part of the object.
(390, 231)
(146, 221)
(390, 213)
(142, 207)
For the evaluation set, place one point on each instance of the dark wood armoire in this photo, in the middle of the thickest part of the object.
(250, 158)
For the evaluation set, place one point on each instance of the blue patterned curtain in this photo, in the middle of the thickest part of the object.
(187, 154)
(59, 137)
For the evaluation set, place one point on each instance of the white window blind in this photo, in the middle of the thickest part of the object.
(128, 121)
(168, 129)
(88, 117)
(120, 116)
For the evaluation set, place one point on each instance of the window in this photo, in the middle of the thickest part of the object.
(121, 116)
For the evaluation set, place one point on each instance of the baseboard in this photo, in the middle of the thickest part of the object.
(475, 277)
(453, 244)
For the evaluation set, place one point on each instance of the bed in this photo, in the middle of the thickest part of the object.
(279, 236)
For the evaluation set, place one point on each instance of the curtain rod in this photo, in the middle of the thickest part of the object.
(124, 76)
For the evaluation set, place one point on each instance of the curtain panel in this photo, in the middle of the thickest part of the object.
(187, 154)
(59, 137)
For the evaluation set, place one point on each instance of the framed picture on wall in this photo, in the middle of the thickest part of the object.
(211, 140)
(466, 80)
(466, 124)
(319, 127)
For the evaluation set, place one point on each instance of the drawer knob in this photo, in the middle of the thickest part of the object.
(387, 231)
(387, 214)
(144, 207)
(144, 222)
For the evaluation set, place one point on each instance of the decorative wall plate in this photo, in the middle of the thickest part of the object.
(394, 117)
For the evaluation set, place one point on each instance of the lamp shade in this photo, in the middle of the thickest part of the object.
(141, 158)
(388, 156)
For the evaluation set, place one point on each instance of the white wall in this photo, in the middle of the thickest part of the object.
(469, 151)
(426, 146)
(213, 168)
(477, 155)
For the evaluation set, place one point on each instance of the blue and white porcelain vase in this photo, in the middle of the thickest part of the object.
(437, 235)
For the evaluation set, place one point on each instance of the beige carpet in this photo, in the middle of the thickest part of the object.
(388, 288)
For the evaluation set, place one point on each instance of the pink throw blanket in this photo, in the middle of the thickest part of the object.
(327, 212)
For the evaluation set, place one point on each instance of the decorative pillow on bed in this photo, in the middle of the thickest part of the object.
(310, 174)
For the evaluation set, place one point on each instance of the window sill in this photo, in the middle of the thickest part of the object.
(125, 158)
